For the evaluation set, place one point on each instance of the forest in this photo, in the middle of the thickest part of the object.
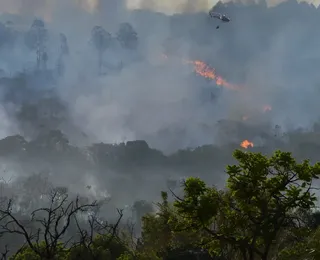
(267, 210)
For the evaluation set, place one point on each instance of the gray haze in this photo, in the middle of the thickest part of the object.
(271, 53)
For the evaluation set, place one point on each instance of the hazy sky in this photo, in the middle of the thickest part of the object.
(165, 6)
(169, 6)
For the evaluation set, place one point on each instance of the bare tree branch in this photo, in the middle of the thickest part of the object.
(52, 223)
(4, 254)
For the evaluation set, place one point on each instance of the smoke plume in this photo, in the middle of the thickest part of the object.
(271, 53)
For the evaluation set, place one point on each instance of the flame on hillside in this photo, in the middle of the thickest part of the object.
(245, 144)
(206, 71)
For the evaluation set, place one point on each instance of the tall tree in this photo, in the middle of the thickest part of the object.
(64, 47)
(36, 39)
(64, 51)
(127, 36)
(101, 40)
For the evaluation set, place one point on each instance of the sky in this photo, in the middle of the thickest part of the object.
(170, 7)
(164, 6)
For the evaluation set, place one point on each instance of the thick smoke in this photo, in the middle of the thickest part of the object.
(152, 92)
(271, 52)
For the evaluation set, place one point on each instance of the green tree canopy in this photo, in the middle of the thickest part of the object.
(266, 211)
(262, 198)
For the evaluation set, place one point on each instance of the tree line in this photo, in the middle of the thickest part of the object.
(36, 40)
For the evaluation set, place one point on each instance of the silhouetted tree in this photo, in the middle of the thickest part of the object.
(48, 226)
(101, 40)
(64, 47)
(64, 50)
(35, 39)
(127, 36)
(46, 233)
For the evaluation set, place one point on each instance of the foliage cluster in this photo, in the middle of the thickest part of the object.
(266, 211)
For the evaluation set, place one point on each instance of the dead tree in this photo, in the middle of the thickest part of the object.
(47, 228)
(4, 254)
(96, 227)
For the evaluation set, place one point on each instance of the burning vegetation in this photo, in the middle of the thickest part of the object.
(204, 70)
(245, 144)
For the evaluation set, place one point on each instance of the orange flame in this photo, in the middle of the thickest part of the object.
(267, 108)
(206, 71)
(245, 144)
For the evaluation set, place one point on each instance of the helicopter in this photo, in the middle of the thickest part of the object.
(221, 17)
